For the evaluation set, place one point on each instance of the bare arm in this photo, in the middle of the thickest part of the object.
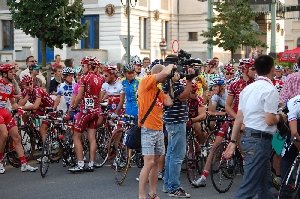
(228, 106)
(101, 98)
(164, 73)
(185, 94)
(56, 102)
(23, 101)
(33, 106)
(120, 105)
(13, 103)
(201, 115)
(79, 96)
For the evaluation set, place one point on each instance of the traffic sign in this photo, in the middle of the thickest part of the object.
(123, 39)
(175, 46)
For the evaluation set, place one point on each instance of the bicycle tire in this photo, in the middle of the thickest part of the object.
(11, 154)
(193, 161)
(291, 182)
(122, 172)
(222, 171)
(28, 142)
(57, 148)
(102, 139)
(112, 149)
(46, 155)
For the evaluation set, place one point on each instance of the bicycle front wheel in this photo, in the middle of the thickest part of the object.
(222, 170)
(102, 138)
(194, 163)
(290, 183)
(46, 155)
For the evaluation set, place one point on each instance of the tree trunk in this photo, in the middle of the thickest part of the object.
(231, 56)
(43, 51)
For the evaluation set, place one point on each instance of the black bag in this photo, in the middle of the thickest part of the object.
(283, 127)
(133, 137)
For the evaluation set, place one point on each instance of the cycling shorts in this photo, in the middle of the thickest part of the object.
(86, 119)
(7, 119)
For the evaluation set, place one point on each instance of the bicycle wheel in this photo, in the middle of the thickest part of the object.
(102, 139)
(193, 161)
(46, 155)
(123, 158)
(222, 170)
(113, 146)
(28, 142)
(12, 156)
(290, 183)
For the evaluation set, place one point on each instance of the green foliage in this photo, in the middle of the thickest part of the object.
(231, 26)
(52, 20)
(284, 64)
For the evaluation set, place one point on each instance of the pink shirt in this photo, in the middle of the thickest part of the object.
(291, 87)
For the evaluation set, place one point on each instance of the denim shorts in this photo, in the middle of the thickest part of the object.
(152, 142)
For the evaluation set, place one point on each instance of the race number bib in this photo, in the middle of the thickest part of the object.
(89, 103)
(113, 106)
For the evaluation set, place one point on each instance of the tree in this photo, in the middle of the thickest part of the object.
(232, 26)
(54, 22)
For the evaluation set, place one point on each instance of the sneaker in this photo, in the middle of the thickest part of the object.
(27, 167)
(76, 169)
(38, 160)
(201, 182)
(2, 169)
(160, 175)
(165, 190)
(89, 168)
(179, 193)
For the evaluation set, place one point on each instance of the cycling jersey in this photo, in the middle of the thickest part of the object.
(278, 84)
(294, 108)
(76, 88)
(113, 92)
(66, 90)
(130, 89)
(236, 88)
(38, 92)
(219, 100)
(193, 105)
(282, 78)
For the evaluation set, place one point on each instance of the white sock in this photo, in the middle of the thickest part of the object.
(202, 176)
(81, 163)
(91, 164)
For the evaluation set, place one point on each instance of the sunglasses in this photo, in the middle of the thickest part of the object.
(229, 73)
(106, 75)
(193, 92)
(252, 68)
(28, 84)
(33, 61)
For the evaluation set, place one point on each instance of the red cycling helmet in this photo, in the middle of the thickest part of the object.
(212, 62)
(26, 79)
(249, 63)
(110, 69)
(6, 67)
(229, 68)
(88, 60)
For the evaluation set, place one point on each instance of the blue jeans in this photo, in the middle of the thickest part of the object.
(257, 173)
(175, 155)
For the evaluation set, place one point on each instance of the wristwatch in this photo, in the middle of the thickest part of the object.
(233, 141)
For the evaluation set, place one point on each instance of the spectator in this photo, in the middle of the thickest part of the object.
(34, 71)
(31, 60)
(57, 61)
(152, 130)
(69, 63)
(16, 80)
(56, 81)
(146, 62)
(258, 111)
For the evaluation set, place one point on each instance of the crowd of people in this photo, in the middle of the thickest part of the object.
(248, 92)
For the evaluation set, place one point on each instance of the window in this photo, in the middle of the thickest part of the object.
(166, 32)
(143, 33)
(298, 42)
(8, 35)
(193, 36)
(92, 39)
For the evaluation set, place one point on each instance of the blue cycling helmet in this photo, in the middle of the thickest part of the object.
(218, 80)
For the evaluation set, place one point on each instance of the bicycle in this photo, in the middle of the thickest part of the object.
(291, 181)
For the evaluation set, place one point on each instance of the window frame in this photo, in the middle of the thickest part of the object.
(11, 35)
(91, 35)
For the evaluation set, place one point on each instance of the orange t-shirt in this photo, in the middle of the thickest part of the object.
(146, 94)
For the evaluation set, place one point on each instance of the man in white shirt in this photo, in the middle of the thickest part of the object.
(258, 111)
(31, 60)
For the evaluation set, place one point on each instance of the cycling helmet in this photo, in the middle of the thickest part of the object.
(135, 60)
(207, 61)
(67, 71)
(296, 68)
(228, 68)
(248, 63)
(148, 69)
(194, 86)
(212, 62)
(79, 70)
(6, 67)
(88, 60)
(278, 67)
(129, 67)
(34, 67)
(218, 80)
(26, 79)
(110, 69)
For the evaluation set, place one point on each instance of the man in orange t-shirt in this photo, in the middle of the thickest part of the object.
(152, 137)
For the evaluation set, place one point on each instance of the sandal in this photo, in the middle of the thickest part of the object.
(154, 196)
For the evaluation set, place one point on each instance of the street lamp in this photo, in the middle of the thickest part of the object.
(128, 3)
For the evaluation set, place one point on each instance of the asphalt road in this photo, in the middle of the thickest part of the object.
(100, 184)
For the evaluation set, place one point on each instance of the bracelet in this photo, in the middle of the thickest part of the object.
(233, 141)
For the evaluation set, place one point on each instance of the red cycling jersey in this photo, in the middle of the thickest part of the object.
(193, 105)
(278, 84)
(6, 92)
(236, 88)
(38, 92)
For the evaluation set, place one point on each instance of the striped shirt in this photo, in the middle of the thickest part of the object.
(291, 87)
(178, 112)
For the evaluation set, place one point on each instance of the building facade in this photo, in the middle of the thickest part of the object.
(180, 22)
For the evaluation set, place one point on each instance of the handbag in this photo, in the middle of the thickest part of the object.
(133, 137)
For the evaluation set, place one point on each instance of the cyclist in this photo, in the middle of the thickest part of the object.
(7, 123)
(88, 92)
(196, 112)
(229, 74)
(139, 70)
(40, 100)
(66, 88)
(279, 73)
(130, 85)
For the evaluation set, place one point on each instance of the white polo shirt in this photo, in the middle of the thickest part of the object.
(294, 108)
(256, 99)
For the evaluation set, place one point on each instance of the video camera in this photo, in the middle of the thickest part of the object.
(183, 61)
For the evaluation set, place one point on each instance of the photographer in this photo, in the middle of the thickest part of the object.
(152, 136)
(175, 118)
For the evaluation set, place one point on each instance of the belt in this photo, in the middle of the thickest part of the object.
(266, 136)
